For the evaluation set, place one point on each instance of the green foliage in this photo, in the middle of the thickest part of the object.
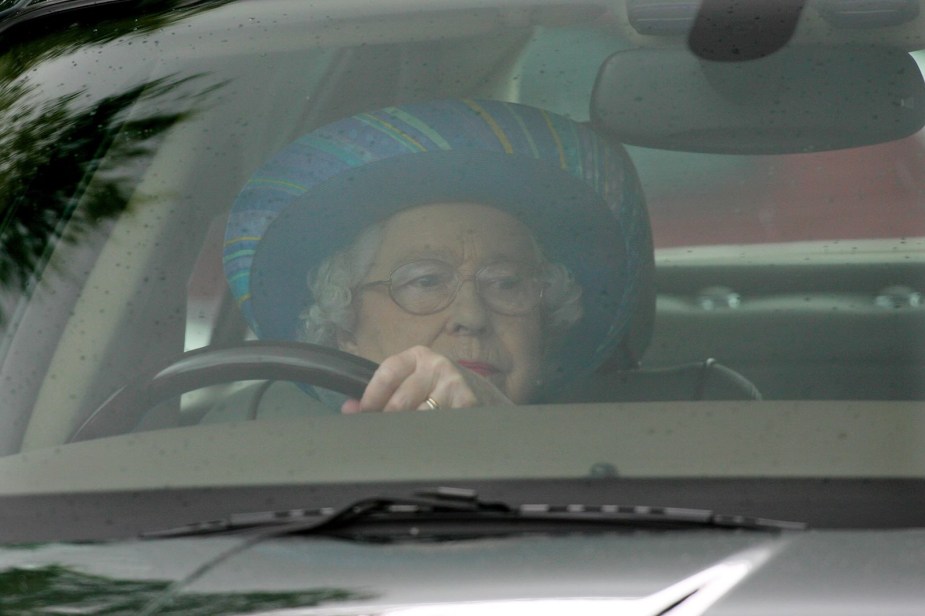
(56, 153)
(59, 590)
(49, 151)
(30, 40)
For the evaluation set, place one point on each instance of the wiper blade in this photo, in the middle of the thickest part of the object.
(459, 512)
(442, 501)
(451, 507)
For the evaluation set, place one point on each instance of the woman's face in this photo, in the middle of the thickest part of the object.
(505, 349)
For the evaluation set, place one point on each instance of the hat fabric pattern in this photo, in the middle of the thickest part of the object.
(578, 194)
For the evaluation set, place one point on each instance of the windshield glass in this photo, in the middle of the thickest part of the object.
(527, 213)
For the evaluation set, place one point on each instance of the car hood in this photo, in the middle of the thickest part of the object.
(636, 572)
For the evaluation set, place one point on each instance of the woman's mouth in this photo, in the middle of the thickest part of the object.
(480, 368)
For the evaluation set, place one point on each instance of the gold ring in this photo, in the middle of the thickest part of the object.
(430, 402)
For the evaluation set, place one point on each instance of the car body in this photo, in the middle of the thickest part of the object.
(760, 451)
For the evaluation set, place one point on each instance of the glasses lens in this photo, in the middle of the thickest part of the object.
(423, 287)
(509, 288)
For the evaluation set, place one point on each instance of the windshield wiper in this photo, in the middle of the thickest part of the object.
(441, 513)
(455, 512)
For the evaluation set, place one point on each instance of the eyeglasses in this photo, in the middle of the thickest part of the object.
(430, 285)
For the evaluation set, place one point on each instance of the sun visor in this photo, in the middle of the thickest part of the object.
(806, 99)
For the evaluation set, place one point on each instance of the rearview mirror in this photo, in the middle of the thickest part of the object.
(796, 100)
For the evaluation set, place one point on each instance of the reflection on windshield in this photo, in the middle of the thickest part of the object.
(40, 179)
(62, 41)
(52, 151)
(64, 590)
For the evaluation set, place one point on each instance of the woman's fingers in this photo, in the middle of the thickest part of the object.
(406, 380)
(422, 374)
(400, 380)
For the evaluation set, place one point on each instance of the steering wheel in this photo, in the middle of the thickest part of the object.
(272, 360)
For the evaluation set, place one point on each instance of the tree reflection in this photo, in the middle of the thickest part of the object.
(55, 156)
(25, 41)
(56, 153)
(57, 589)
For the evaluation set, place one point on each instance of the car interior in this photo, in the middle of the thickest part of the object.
(828, 319)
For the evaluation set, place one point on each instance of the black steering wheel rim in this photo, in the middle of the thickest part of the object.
(257, 360)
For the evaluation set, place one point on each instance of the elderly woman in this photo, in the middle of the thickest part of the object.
(481, 252)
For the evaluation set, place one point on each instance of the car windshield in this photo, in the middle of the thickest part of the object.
(738, 215)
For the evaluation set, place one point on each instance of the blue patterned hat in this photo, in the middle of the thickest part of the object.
(578, 194)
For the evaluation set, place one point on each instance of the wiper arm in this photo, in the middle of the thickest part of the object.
(453, 506)
(441, 501)
(455, 511)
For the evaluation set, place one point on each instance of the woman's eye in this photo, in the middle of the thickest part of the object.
(509, 283)
(427, 282)
(422, 276)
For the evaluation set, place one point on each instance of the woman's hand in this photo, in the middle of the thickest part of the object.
(406, 380)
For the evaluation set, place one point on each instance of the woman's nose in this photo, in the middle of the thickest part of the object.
(469, 312)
